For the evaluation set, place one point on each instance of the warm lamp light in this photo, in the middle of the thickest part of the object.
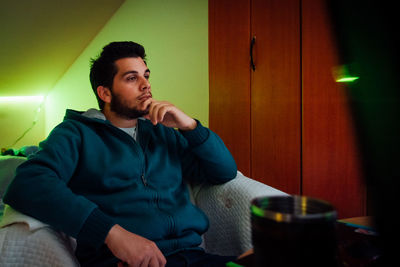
(38, 98)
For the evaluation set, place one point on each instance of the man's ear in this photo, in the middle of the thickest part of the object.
(104, 93)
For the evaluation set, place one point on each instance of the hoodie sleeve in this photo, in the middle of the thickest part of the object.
(40, 189)
(205, 157)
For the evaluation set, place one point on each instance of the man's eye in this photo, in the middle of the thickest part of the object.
(147, 77)
(132, 78)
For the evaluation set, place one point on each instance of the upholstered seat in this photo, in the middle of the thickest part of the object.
(25, 241)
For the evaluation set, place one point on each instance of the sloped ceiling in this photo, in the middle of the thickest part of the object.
(39, 40)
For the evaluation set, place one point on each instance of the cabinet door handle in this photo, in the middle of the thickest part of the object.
(253, 41)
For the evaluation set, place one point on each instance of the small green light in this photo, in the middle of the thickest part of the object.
(232, 264)
(347, 79)
(346, 73)
(257, 211)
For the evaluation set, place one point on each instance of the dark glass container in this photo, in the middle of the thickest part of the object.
(293, 231)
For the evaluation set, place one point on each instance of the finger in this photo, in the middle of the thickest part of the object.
(162, 261)
(145, 104)
(146, 262)
(153, 262)
(155, 111)
(162, 111)
(152, 107)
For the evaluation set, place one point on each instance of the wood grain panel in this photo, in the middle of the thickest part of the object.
(276, 94)
(229, 72)
(331, 162)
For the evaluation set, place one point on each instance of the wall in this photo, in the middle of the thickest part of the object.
(15, 118)
(175, 36)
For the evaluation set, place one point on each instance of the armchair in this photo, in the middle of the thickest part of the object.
(27, 241)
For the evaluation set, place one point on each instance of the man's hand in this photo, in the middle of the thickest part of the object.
(167, 114)
(133, 249)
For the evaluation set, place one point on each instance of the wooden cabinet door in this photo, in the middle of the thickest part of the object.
(287, 123)
(276, 94)
(229, 72)
(331, 161)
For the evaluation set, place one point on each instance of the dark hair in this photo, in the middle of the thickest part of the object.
(103, 68)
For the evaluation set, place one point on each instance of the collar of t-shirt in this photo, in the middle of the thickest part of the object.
(94, 113)
(131, 132)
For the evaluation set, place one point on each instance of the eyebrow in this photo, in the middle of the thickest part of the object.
(134, 72)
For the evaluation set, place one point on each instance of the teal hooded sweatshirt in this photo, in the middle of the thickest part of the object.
(89, 175)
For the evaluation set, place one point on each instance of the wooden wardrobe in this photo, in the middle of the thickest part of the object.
(275, 103)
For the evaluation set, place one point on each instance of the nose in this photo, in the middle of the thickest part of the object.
(145, 85)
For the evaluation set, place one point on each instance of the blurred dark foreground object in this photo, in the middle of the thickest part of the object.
(357, 245)
(293, 231)
(367, 38)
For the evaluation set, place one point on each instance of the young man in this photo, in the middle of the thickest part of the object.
(115, 179)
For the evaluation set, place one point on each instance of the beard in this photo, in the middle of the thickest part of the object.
(121, 107)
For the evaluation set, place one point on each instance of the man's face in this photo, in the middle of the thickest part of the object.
(131, 88)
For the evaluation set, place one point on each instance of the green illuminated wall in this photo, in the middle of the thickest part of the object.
(15, 118)
(175, 35)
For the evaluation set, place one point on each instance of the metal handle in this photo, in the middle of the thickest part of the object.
(253, 41)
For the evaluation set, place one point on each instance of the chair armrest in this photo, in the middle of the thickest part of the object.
(228, 209)
(25, 241)
(21, 246)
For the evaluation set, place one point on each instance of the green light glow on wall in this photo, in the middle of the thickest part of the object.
(38, 98)
(346, 73)
(347, 79)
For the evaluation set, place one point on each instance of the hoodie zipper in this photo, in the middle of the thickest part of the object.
(144, 179)
(141, 154)
(143, 160)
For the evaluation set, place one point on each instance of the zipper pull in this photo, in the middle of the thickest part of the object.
(144, 180)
